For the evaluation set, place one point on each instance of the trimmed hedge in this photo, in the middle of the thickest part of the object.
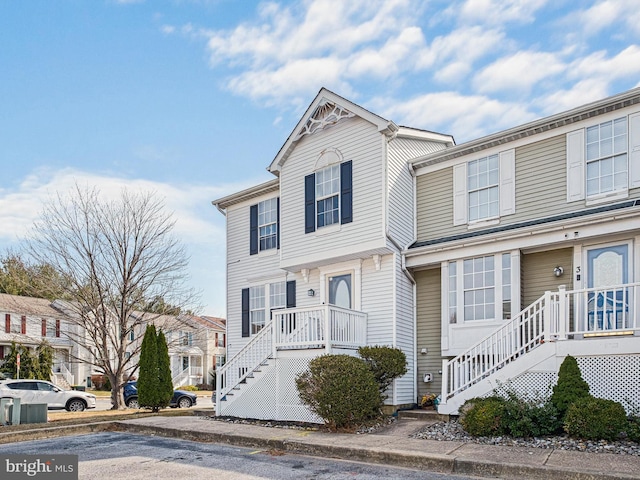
(594, 418)
(341, 389)
(483, 417)
(386, 364)
(570, 387)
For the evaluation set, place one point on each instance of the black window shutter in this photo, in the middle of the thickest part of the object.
(245, 312)
(291, 294)
(253, 230)
(278, 224)
(346, 195)
(310, 203)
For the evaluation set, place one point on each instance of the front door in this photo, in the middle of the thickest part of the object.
(608, 299)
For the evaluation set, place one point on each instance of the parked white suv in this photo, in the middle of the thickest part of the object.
(41, 391)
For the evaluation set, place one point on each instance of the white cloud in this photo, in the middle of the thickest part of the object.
(605, 14)
(582, 92)
(167, 29)
(497, 11)
(624, 64)
(293, 50)
(199, 226)
(518, 72)
(465, 117)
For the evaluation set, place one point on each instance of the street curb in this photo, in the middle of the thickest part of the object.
(430, 462)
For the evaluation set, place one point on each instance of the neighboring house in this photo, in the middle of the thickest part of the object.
(195, 343)
(30, 321)
(314, 257)
(528, 249)
(216, 351)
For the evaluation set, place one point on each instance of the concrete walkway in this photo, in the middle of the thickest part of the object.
(392, 446)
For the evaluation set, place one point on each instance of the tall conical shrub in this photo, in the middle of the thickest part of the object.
(164, 370)
(148, 379)
(570, 387)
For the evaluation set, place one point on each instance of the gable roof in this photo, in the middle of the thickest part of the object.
(28, 306)
(334, 107)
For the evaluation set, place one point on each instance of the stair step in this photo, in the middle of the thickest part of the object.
(423, 415)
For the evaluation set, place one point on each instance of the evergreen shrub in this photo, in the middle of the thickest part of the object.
(595, 419)
(484, 417)
(386, 364)
(633, 428)
(570, 387)
(341, 389)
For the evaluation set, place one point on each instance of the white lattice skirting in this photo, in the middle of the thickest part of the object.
(272, 394)
(614, 377)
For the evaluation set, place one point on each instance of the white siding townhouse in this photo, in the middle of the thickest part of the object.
(486, 262)
(315, 257)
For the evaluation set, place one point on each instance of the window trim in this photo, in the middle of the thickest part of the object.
(506, 190)
(345, 197)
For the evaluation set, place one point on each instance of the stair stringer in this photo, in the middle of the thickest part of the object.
(540, 358)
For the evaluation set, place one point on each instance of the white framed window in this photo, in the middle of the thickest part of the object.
(277, 295)
(483, 179)
(268, 224)
(606, 156)
(603, 160)
(328, 196)
(256, 308)
(484, 189)
(480, 289)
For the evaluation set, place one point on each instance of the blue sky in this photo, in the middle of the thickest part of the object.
(194, 98)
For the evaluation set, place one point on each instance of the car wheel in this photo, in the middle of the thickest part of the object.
(76, 405)
(133, 403)
(184, 402)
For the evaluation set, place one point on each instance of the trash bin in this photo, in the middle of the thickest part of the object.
(33, 413)
(79, 388)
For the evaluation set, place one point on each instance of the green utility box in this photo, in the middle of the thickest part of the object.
(33, 413)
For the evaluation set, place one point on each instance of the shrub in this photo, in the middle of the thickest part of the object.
(386, 364)
(341, 389)
(189, 388)
(595, 419)
(632, 428)
(483, 417)
(204, 386)
(529, 418)
(570, 387)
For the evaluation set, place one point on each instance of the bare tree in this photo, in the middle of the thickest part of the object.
(116, 257)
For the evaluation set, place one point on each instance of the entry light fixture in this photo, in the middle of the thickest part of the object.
(558, 271)
(311, 292)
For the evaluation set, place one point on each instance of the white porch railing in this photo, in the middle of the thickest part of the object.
(556, 316)
(308, 328)
(324, 326)
(180, 379)
(254, 353)
(62, 370)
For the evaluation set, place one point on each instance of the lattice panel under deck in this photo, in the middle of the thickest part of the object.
(289, 405)
(614, 377)
(258, 397)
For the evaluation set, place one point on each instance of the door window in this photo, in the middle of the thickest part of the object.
(608, 299)
(340, 290)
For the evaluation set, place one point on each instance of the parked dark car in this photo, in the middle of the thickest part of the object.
(180, 399)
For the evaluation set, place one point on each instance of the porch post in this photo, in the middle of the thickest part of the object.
(274, 334)
(563, 312)
(445, 382)
(546, 316)
(327, 328)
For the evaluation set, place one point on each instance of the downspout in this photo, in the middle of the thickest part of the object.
(404, 269)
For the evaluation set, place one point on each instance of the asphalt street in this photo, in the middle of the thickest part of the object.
(138, 457)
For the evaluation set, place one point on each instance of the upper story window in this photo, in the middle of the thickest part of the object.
(264, 228)
(328, 198)
(268, 224)
(607, 157)
(603, 160)
(483, 179)
(484, 189)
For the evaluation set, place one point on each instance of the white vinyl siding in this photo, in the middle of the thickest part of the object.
(360, 142)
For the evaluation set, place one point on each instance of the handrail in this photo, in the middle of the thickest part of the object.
(524, 332)
(243, 363)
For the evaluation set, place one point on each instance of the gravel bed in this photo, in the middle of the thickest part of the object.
(453, 431)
